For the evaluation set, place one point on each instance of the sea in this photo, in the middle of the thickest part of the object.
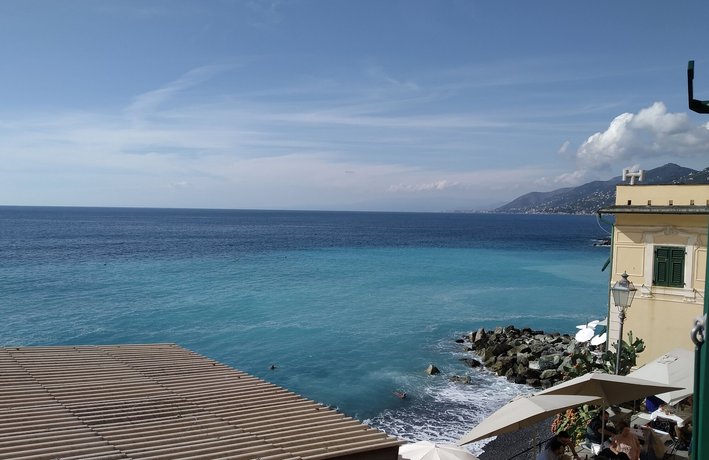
(344, 308)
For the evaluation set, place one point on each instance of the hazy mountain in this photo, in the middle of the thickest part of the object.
(588, 198)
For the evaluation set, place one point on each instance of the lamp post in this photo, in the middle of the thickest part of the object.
(623, 292)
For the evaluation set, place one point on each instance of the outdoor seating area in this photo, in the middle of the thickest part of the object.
(625, 424)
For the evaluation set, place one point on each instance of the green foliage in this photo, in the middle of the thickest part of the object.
(628, 355)
(573, 421)
(583, 361)
(579, 363)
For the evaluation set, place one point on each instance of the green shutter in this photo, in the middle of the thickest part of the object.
(676, 275)
(662, 259)
(669, 266)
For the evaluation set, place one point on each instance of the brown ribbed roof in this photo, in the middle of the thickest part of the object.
(162, 402)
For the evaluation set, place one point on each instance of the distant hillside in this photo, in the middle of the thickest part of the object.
(588, 198)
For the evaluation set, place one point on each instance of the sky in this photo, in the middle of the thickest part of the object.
(363, 105)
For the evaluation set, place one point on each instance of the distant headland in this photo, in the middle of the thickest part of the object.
(588, 198)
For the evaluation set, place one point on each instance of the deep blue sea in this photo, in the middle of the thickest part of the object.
(349, 306)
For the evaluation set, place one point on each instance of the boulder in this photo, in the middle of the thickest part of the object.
(501, 348)
(471, 362)
(432, 370)
(480, 335)
(549, 362)
(464, 379)
(537, 348)
(549, 374)
(523, 358)
(510, 374)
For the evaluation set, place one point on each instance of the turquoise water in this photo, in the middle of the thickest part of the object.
(348, 306)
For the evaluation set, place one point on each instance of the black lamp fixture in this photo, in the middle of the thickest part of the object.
(623, 292)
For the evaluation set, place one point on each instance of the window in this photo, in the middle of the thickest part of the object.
(669, 266)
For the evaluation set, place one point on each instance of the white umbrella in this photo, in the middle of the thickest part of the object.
(427, 450)
(675, 368)
(524, 411)
(599, 339)
(584, 335)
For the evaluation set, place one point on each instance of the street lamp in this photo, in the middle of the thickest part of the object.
(623, 293)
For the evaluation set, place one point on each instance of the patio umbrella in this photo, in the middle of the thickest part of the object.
(427, 450)
(675, 368)
(609, 388)
(524, 411)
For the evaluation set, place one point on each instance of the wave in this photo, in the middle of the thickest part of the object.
(443, 411)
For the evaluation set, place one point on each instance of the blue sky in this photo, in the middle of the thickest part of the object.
(341, 105)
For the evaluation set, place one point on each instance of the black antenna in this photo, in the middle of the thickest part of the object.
(694, 104)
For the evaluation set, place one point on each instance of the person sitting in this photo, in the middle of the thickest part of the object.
(623, 445)
(552, 451)
(598, 429)
(652, 446)
(565, 438)
(652, 403)
(684, 436)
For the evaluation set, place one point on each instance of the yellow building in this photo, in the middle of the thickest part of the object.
(660, 240)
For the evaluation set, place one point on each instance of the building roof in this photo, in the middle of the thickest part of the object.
(162, 401)
(685, 210)
(641, 209)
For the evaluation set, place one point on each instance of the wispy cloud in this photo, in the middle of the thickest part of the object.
(289, 145)
(145, 104)
(427, 187)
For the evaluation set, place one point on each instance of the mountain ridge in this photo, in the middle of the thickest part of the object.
(592, 196)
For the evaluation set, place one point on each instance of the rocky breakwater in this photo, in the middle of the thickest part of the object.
(524, 356)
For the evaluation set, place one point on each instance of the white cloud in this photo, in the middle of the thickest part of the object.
(652, 132)
(634, 140)
(564, 148)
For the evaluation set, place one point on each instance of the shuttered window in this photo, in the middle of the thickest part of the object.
(669, 266)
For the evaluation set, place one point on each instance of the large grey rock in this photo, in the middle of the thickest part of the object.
(471, 362)
(523, 359)
(501, 348)
(549, 374)
(432, 370)
(549, 362)
(480, 336)
(464, 379)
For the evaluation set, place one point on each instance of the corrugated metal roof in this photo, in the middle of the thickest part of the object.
(162, 402)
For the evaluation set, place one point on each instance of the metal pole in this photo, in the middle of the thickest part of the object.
(621, 318)
(700, 417)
